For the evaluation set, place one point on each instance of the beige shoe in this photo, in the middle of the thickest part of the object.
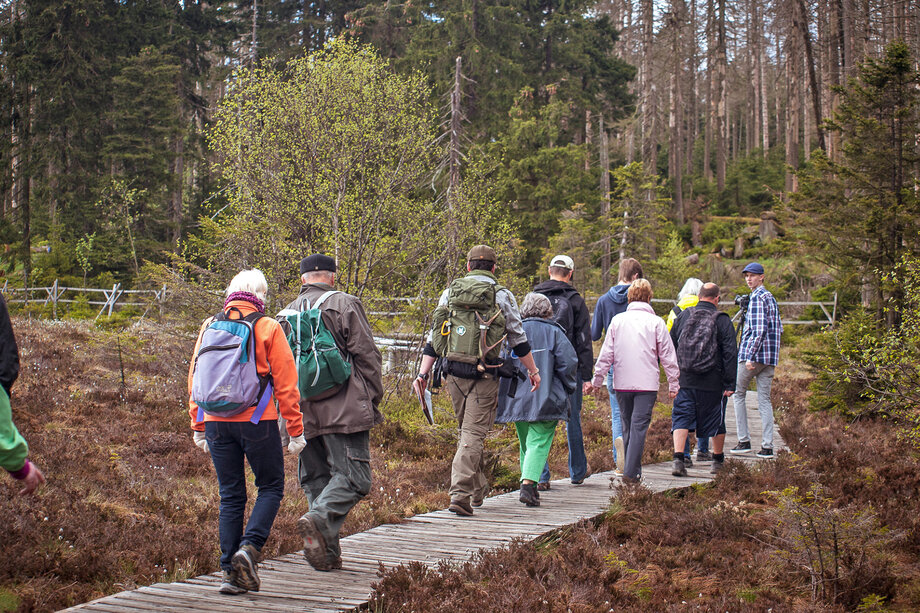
(621, 453)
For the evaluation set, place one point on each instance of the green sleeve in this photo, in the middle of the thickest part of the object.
(13, 448)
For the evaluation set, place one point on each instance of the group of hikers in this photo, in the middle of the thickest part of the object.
(310, 380)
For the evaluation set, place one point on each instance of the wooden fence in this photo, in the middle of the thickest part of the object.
(58, 294)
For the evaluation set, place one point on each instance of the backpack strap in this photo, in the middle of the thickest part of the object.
(265, 383)
(676, 310)
(322, 298)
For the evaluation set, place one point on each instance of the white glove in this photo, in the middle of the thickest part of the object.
(200, 440)
(297, 444)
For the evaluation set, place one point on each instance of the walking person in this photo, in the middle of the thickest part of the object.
(535, 413)
(704, 339)
(234, 432)
(758, 355)
(612, 303)
(14, 451)
(688, 297)
(637, 342)
(473, 305)
(570, 312)
(335, 465)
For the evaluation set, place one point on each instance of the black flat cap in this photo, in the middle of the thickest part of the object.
(315, 262)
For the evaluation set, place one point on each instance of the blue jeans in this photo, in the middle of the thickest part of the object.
(578, 462)
(230, 442)
(616, 424)
(763, 374)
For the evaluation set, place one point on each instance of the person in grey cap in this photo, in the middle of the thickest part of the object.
(473, 393)
(335, 466)
(758, 355)
(571, 312)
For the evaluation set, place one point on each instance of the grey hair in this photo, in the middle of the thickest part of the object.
(691, 288)
(252, 281)
(536, 305)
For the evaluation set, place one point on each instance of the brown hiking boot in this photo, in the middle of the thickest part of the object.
(543, 486)
(461, 507)
(314, 545)
(244, 564)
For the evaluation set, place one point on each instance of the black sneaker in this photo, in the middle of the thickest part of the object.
(529, 494)
(679, 469)
(704, 456)
(765, 452)
(230, 584)
(716, 466)
(244, 563)
(744, 447)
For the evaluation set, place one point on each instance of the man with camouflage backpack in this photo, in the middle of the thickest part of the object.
(475, 315)
(335, 466)
(704, 338)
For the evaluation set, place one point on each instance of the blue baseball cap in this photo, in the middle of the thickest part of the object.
(753, 268)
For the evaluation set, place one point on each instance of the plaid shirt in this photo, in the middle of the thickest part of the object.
(762, 329)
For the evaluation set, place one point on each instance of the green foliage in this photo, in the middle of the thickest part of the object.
(670, 270)
(637, 209)
(860, 213)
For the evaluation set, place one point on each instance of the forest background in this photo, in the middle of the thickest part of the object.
(151, 143)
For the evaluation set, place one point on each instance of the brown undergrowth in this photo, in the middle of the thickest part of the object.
(757, 540)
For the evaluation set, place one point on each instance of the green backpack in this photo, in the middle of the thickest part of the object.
(321, 367)
(471, 327)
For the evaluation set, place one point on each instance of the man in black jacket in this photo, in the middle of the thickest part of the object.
(571, 312)
(707, 356)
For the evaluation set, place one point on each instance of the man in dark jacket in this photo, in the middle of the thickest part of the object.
(571, 312)
(612, 303)
(704, 388)
(335, 466)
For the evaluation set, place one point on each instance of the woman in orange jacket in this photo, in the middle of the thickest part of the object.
(249, 432)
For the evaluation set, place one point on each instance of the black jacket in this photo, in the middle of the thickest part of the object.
(719, 379)
(9, 352)
(580, 335)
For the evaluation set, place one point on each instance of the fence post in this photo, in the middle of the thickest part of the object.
(54, 297)
(834, 314)
(115, 295)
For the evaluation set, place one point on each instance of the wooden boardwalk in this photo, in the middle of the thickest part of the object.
(290, 584)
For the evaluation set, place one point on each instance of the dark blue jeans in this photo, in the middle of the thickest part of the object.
(578, 462)
(230, 443)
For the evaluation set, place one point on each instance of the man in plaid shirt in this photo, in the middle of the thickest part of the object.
(758, 355)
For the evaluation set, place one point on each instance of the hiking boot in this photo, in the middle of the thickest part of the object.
(744, 447)
(314, 544)
(630, 480)
(244, 563)
(703, 456)
(476, 502)
(688, 463)
(621, 453)
(529, 494)
(543, 486)
(230, 584)
(716, 466)
(336, 564)
(765, 452)
(679, 469)
(461, 508)
(588, 473)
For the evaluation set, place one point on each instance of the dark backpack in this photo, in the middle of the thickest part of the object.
(563, 314)
(225, 381)
(698, 344)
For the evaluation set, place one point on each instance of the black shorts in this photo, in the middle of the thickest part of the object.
(702, 410)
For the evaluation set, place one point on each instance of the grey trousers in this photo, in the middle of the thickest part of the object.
(335, 474)
(764, 377)
(475, 402)
(635, 416)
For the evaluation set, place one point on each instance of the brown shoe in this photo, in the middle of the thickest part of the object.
(461, 508)
(314, 545)
(543, 486)
(588, 473)
(337, 564)
(476, 502)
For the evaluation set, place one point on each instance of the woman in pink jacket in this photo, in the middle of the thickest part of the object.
(637, 340)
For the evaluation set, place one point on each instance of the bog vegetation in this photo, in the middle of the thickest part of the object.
(181, 142)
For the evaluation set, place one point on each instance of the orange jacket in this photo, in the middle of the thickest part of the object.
(273, 354)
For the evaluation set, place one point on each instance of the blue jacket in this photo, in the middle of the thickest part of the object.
(613, 302)
(555, 357)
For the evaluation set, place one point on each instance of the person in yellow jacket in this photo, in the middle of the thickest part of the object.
(251, 435)
(688, 296)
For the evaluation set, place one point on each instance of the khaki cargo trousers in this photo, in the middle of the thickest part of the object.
(474, 401)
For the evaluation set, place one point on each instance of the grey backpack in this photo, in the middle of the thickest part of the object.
(225, 380)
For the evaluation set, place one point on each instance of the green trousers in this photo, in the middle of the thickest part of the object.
(535, 439)
(13, 448)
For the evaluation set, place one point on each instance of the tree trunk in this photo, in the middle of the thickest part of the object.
(675, 118)
(721, 97)
(605, 202)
